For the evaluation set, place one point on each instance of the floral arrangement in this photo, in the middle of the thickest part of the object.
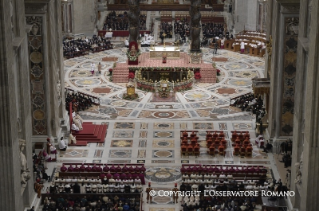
(218, 72)
(131, 75)
(173, 69)
(132, 58)
(197, 75)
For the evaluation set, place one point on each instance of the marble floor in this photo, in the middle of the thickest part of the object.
(142, 131)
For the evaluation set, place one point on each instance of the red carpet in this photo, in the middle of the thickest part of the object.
(90, 133)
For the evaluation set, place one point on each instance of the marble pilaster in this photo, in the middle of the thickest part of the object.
(14, 107)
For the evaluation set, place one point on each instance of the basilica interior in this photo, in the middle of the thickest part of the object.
(131, 104)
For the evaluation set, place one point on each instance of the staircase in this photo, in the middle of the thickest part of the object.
(90, 133)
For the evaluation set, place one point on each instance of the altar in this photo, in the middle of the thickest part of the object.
(169, 51)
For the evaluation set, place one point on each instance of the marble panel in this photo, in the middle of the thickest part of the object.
(121, 143)
(120, 153)
(123, 134)
(163, 143)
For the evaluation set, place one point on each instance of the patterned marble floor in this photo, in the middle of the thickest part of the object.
(203, 102)
(144, 132)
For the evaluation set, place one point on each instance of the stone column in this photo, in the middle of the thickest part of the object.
(306, 119)
(46, 68)
(283, 68)
(195, 26)
(15, 107)
(134, 23)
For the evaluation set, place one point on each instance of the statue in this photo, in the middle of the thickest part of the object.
(195, 30)
(133, 16)
(25, 173)
(298, 179)
(58, 86)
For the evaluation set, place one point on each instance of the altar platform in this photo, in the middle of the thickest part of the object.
(207, 71)
(170, 51)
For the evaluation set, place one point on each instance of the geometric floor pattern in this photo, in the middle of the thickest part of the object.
(137, 134)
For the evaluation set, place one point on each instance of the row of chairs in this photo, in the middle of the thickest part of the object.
(243, 150)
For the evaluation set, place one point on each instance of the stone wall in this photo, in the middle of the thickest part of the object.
(245, 15)
(84, 16)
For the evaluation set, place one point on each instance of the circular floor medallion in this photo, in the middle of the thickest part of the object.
(87, 82)
(164, 114)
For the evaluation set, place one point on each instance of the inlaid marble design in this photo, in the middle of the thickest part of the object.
(140, 161)
(141, 153)
(163, 134)
(163, 114)
(238, 82)
(244, 74)
(142, 143)
(119, 161)
(121, 143)
(183, 126)
(118, 103)
(242, 126)
(144, 125)
(236, 66)
(75, 153)
(222, 126)
(80, 73)
(163, 161)
(196, 95)
(220, 111)
(162, 199)
(184, 161)
(87, 82)
(163, 125)
(123, 112)
(163, 153)
(120, 153)
(203, 125)
(124, 125)
(163, 143)
(143, 134)
(98, 153)
(206, 161)
(163, 174)
(123, 134)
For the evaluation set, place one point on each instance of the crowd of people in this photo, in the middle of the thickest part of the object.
(209, 203)
(79, 47)
(248, 102)
(116, 22)
(181, 29)
(142, 22)
(79, 100)
(213, 29)
(93, 203)
(166, 28)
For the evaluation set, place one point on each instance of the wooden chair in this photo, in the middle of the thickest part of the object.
(236, 150)
(211, 151)
(233, 136)
(216, 142)
(237, 141)
(242, 151)
(209, 142)
(221, 150)
(224, 142)
(249, 151)
(196, 150)
(190, 150)
(185, 134)
(184, 150)
(222, 135)
(241, 136)
(193, 141)
(209, 135)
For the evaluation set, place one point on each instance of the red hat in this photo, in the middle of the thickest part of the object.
(175, 184)
(149, 184)
(48, 139)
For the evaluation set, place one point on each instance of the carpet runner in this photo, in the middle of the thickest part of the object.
(90, 133)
